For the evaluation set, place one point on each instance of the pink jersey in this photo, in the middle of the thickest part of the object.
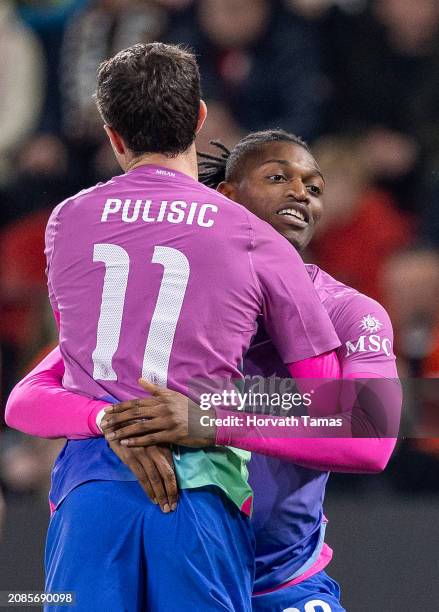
(156, 275)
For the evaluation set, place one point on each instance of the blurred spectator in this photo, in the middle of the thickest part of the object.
(97, 33)
(23, 293)
(103, 29)
(48, 19)
(361, 227)
(310, 9)
(22, 85)
(45, 174)
(383, 62)
(260, 60)
(410, 283)
(48, 14)
(44, 155)
(219, 125)
(430, 212)
(175, 5)
(26, 465)
(315, 9)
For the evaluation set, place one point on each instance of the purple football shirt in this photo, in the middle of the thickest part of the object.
(156, 275)
(288, 515)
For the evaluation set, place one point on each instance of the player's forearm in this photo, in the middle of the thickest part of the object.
(359, 437)
(349, 455)
(40, 406)
(356, 455)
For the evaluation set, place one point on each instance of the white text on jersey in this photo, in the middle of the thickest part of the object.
(177, 211)
(373, 344)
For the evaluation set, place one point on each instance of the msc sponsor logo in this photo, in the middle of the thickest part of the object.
(370, 324)
(369, 344)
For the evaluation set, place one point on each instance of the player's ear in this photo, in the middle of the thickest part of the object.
(202, 114)
(116, 141)
(228, 190)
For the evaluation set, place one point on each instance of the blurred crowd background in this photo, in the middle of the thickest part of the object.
(357, 79)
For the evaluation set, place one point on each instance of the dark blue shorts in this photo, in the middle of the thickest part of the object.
(320, 593)
(119, 553)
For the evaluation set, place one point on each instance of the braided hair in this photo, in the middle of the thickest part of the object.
(226, 166)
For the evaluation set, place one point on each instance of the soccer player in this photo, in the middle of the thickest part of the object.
(275, 176)
(154, 274)
(274, 172)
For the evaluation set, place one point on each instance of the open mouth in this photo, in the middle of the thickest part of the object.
(295, 214)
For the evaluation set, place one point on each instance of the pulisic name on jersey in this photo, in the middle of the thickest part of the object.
(148, 211)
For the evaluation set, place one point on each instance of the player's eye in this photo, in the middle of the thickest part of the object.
(277, 178)
(314, 190)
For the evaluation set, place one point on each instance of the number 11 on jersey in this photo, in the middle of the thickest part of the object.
(176, 271)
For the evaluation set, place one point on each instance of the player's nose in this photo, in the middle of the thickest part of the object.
(298, 191)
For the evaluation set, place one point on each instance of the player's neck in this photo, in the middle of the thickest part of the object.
(185, 163)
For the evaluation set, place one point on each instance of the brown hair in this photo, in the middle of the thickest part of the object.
(150, 94)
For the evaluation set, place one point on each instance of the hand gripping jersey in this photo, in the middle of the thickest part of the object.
(288, 514)
(155, 275)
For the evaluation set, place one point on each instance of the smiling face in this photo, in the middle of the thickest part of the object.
(282, 184)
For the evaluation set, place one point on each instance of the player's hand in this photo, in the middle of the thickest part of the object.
(154, 469)
(167, 417)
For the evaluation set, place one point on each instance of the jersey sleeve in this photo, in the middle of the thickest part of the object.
(345, 455)
(366, 336)
(295, 319)
(40, 406)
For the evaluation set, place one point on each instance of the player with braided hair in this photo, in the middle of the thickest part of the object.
(274, 174)
(228, 166)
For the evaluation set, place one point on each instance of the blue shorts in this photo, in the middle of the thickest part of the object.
(320, 593)
(118, 552)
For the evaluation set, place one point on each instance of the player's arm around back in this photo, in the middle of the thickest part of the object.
(40, 406)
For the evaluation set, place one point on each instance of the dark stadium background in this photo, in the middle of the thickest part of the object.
(358, 80)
